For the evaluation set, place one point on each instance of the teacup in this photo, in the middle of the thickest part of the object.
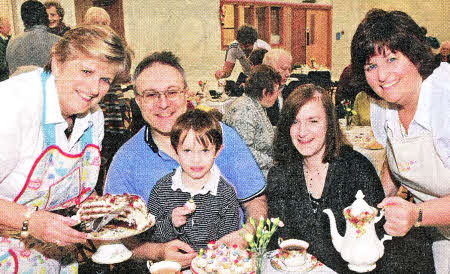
(164, 267)
(293, 252)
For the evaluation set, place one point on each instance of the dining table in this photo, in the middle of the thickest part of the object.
(221, 103)
(270, 269)
(363, 141)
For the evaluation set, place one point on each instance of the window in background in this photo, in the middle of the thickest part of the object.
(268, 20)
(275, 25)
(228, 24)
(261, 23)
(249, 17)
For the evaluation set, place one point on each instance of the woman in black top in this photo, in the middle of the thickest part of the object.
(316, 170)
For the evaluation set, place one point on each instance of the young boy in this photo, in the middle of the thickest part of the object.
(194, 203)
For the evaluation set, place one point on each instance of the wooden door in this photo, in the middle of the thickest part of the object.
(318, 33)
(298, 37)
(113, 7)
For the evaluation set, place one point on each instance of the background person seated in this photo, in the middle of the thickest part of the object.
(362, 108)
(444, 55)
(281, 61)
(345, 90)
(248, 116)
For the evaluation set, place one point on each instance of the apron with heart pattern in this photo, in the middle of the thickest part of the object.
(57, 180)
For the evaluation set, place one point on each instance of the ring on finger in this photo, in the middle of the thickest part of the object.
(58, 242)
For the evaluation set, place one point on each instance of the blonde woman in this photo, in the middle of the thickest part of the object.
(51, 132)
(97, 16)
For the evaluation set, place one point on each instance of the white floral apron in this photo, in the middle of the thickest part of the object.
(57, 180)
(416, 164)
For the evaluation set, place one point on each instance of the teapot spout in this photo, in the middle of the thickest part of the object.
(335, 236)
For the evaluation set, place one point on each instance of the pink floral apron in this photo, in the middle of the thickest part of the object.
(57, 180)
(416, 164)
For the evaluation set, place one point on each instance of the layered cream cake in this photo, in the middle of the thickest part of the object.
(133, 216)
(222, 259)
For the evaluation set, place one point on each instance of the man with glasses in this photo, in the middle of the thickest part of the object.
(160, 90)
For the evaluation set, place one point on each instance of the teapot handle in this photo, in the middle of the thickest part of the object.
(379, 217)
(280, 240)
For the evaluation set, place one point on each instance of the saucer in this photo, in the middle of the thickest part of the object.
(111, 254)
(278, 264)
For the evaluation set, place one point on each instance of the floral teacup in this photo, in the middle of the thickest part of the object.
(293, 252)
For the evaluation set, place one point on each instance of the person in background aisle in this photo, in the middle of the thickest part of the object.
(246, 41)
(32, 47)
(97, 16)
(5, 29)
(160, 90)
(56, 15)
(247, 114)
(391, 55)
(281, 61)
(194, 203)
(256, 57)
(52, 131)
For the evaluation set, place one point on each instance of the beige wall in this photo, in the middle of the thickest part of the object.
(191, 28)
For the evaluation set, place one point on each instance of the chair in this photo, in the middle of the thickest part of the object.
(321, 78)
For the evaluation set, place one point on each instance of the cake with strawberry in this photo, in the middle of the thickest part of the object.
(222, 259)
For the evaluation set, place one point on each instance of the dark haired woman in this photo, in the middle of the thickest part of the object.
(315, 170)
(390, 53)
(248, 116)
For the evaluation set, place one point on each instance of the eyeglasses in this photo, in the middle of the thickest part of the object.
(152, 96)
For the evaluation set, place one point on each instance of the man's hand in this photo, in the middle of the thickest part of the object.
(236, 237)
(219, 74)
(225, 71)
(179, 251)
(179, 215)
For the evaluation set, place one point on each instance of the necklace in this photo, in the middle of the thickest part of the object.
(315, 203)
(315, 181)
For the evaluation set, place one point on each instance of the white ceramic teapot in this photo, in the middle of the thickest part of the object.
(360, 246)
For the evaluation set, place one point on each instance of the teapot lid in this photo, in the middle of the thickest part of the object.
(360, 205)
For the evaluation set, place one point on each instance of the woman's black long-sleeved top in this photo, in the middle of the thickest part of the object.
(288, 199)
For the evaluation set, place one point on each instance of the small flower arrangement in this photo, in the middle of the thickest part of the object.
(264, 231)
(360, 221)
(258, 242)
(202, 86)
(349, 112)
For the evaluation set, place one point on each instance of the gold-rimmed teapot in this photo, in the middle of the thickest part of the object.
(360, 246)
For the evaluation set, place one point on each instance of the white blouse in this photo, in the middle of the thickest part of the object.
(21, 137)
(432, 114)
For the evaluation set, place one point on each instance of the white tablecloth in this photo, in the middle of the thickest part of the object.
(320, 268)
(305, 69)
(359, 136)
(220, 104)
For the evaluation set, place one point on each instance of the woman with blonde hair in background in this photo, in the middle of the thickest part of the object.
(97, 16)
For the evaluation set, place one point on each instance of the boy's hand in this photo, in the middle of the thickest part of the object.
(179, 215)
